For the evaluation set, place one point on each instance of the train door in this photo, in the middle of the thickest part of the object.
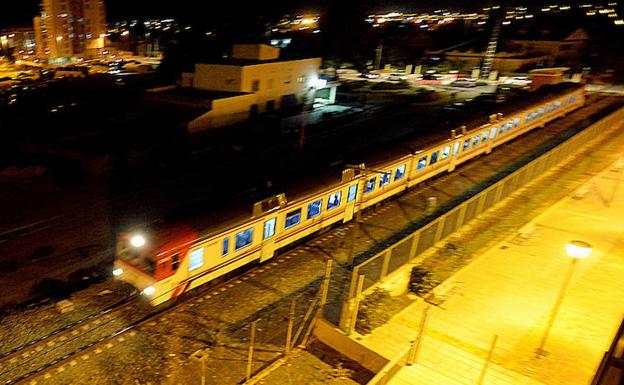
(351, 200)
(454, 156)
(268, 239)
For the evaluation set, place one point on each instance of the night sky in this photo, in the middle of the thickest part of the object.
(21, 12)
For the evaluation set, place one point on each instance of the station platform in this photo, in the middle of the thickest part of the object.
(509, 291)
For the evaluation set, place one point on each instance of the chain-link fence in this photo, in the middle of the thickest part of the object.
(409, 248)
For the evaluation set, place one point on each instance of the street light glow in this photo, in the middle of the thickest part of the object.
(578, 249)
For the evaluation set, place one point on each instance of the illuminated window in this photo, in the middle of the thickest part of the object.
(314, 208)
(352, 193)
(226, 246)
(196, 259)
(422, 163)
(501, 130)
(456, 148)
(475, 140)
(334, 200)
(516, 122)
(244, 239)
(466, 144)
(434, 158)
(269, 228)
(301, 79)
(493, 133)
(384, 179)
(445, 152)
(484, 136)
(399, 173)
(370, 185)
(293, 218)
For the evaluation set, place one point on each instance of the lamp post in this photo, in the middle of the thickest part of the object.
(575, 250)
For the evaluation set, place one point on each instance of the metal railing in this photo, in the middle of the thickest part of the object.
(415, 244)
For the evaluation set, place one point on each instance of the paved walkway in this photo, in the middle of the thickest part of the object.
(510, 290)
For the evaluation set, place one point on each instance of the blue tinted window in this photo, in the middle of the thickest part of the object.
(501, 130)
(475, 140)
(434, 158)
(352, 193)
(422, 163)
(466, 144)
(493, 133)
(196, 259)
(399, 173)
(314, 208)
(370, 185)
(334, 200)
(293, 218)
(456, 148)
(384, 179)
(484, 137)
(269, 228)
(516, 122)
(226, 246)
(446, 151)
(244, 239)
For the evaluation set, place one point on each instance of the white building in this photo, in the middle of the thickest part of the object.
(253, 80)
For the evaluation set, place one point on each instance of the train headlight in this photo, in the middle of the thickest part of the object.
(149, 290)
(137, 241)
(117, 272)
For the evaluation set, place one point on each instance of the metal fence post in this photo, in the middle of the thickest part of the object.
(462, 215)
(412, 356)
(414, 246)
(439, 229)
(385, 263)
(356, 305)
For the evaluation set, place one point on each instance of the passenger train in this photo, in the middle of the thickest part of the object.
(166, 263)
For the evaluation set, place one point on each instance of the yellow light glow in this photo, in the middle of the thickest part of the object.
(137, 241)
(117, 272)
(578, 249)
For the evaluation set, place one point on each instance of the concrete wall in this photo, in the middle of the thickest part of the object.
(255, 52)
(348, 347)
(218, 77)
(226, 111)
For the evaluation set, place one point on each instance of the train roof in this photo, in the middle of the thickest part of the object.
(229, 210)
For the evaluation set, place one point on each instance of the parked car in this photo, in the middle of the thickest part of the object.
(369, 75)
(397, 77)
(464, 83)
(518, 81)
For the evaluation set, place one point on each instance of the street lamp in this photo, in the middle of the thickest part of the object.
(575, 250)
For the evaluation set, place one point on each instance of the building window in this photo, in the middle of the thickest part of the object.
(422, 163)
(226, 247)
(314, 208)
(244, 239)
(175, 262)
(196, 259)
(293, 218)
(334, 200)
(301, 79)
(255, 85)
(370, 185)
(269, 228)
(352, 193)
(399, 173)
(384, 179)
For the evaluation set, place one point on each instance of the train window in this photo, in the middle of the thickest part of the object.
(269, 228)
(370, 185)
(352, 193)
(434, 158)
(541, 111)
(196, 259)
(384, 179)
(557, 104)
(422, 163)
(484, 136)
(509, 126)
(226, 247)
(446, 151)
(334, 200)
(475, 140)
(501, 130)
(399, 173)
(293, 218)
(314, 208)
(456, 148)
(466, 144)
(175, 262)
(516, 122)
(244, 239)
(493, 133)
